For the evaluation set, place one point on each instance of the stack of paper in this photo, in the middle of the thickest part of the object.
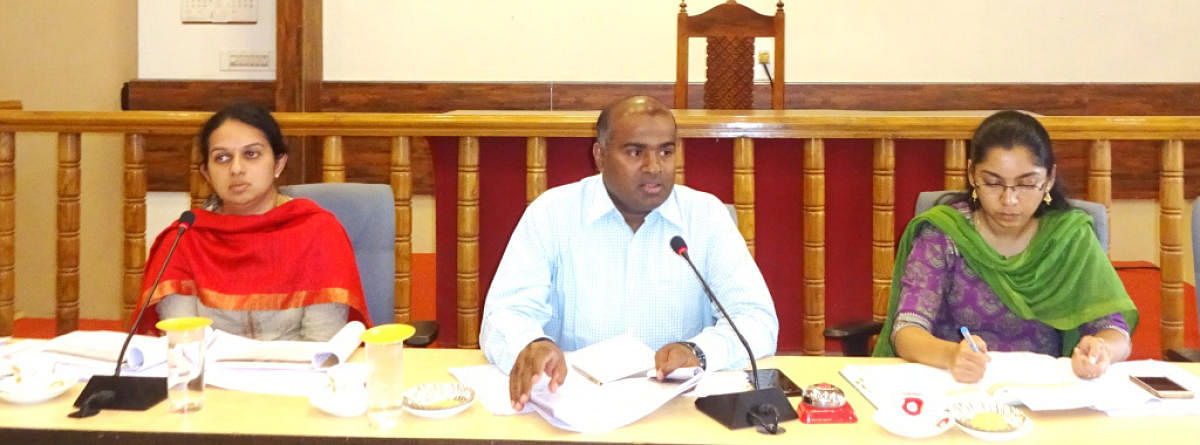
(594, 402)
(1038, 381)
(277, 367)
(87, 353)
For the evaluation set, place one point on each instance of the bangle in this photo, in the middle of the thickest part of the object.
(697, 352)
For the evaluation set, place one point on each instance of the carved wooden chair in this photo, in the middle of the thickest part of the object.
(730, 29)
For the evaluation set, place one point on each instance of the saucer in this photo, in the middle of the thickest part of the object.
(912, 427)
(340, 403)
(27, 394)
(438, 400)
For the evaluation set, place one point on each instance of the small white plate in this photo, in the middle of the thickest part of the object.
(438, 400)
(25, 394)
(913, 427)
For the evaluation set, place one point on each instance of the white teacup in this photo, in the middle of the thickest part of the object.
(921, 408)
(345, 394)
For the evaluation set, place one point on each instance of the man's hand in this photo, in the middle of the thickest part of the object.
(1091, 357)
(968, 366)
(539, 357)
(673, 356)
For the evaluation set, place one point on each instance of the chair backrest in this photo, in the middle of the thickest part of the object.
(1196, 247)
(368, 214)
(730, 29)
(1099, 215)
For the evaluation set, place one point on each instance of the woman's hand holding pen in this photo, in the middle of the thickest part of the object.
(968, 365)
(1091, 357)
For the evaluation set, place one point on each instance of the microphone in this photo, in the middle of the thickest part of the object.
(130, 393)
(762, 407)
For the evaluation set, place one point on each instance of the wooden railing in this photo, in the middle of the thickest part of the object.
(811, 127)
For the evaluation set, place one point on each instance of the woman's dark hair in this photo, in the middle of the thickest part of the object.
(250, 114)
(1007, 130)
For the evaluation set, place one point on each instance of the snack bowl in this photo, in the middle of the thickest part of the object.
(438, 400)
(990, 419)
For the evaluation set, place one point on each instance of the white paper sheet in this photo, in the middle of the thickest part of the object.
(612, 359)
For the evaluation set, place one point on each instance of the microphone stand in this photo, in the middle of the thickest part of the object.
(761, 407)
(129, 393)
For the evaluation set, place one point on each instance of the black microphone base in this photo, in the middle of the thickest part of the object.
(129, 393)
(734, 410)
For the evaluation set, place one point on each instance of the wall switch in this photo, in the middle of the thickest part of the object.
(245, 60)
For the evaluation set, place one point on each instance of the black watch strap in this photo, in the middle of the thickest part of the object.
(698, 352)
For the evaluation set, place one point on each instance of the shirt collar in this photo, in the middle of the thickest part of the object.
(599, 203)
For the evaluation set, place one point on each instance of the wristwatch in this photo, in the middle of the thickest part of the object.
(698, 352)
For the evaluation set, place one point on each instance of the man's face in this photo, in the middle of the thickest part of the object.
(638, 162)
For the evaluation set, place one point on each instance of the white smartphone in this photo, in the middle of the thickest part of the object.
(1162, 387)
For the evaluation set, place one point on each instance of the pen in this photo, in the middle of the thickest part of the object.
(967, 335)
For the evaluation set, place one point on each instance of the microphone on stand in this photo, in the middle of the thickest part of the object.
(762, 407)
(130, 393)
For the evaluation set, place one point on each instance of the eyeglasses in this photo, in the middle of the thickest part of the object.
(996, 189)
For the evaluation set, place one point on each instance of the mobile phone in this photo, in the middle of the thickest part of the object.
(775, 378)
(1162, 387)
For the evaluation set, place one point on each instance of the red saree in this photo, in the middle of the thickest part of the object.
(295, 255)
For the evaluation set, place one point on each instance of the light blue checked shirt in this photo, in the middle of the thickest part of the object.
(575, 272)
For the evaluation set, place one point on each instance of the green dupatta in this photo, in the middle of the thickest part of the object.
(1063, 279)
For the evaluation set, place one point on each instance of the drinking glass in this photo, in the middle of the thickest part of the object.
(185, 362)
(385, 373)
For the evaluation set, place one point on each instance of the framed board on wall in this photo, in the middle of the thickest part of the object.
(218, 11)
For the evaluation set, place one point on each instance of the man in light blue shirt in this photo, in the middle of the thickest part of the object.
(592, 260)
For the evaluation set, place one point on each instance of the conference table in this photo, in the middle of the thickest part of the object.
(237, 417)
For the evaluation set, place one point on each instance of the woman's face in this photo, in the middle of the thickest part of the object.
(1010, 185)
(241, 168)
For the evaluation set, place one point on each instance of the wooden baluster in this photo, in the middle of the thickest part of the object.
(468, 242)
(402, 195)
(883, 180)
(814, 247)
(67, 285)
(1099, 183)
(679, 176)
(7, 229)
(333, 168)
(1170, 227)
(956, 165)
(743, 188)
(198, 187)
(535, 168)
(134, 217)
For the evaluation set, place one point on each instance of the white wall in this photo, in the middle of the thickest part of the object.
(634, 40)
(169, 49)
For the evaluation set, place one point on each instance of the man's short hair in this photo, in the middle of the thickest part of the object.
(648, 106)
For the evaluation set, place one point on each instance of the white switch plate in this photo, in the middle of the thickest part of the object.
(218, 11)
(245, 60)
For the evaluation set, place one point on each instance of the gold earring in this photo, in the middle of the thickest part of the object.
(1047, 199)
(974, 196)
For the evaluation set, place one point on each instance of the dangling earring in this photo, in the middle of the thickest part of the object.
(1047, 199)
(974, 196)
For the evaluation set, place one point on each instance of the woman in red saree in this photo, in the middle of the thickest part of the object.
(258, 263)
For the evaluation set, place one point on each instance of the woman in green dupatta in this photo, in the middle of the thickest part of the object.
(1011, 261)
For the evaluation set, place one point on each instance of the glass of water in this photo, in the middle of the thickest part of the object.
(185, 362)
(385, 373)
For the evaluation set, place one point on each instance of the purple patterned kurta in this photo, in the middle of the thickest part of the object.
(940, 293)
